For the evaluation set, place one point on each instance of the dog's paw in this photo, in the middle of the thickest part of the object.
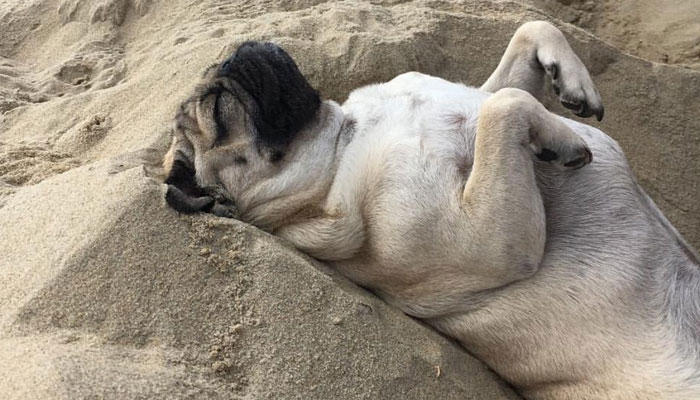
(558, 144)
(573, 157)
(576, 91)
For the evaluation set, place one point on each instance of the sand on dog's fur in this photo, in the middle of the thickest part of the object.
(106, 292)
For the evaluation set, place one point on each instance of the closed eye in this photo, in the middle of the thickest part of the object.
(226, 108)
(218, 121)
(217, 113)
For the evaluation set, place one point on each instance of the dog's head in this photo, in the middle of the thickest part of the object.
(254, 137)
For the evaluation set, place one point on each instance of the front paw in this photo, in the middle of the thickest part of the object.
(569, 158)
(575, 89)
(558, 144)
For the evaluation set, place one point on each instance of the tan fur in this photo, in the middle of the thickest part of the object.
(562, 275)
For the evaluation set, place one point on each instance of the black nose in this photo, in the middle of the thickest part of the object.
(181, 202)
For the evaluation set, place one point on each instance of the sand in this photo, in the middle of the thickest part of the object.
(664, 31)
(105, 292)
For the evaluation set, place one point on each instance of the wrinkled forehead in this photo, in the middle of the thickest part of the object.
(265, 81)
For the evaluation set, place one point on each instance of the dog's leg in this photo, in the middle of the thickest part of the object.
(503, 204)
(537, 49)
(329, 237)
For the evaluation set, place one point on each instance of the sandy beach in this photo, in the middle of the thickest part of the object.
(105, 292)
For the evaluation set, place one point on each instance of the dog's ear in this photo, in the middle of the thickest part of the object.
(281, 100)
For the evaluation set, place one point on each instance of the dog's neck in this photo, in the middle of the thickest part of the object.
(331, 131)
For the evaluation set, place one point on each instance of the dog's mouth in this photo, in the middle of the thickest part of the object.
(188, 204)
(186, 196)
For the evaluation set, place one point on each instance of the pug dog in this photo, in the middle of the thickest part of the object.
(519, 233)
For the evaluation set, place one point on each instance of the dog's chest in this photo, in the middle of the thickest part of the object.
(414, 131)
(410, 156)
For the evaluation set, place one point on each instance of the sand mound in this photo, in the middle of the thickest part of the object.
(105, 292)
(133, 301)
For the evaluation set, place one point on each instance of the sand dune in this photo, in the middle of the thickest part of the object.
(105, 292)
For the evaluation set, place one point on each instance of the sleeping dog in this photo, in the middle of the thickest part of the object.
(521, 234)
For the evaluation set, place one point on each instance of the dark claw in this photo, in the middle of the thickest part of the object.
(583, 110)
(581, 161)
(547, 155)
(599, 113)
(570, 106)
(577, 163)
